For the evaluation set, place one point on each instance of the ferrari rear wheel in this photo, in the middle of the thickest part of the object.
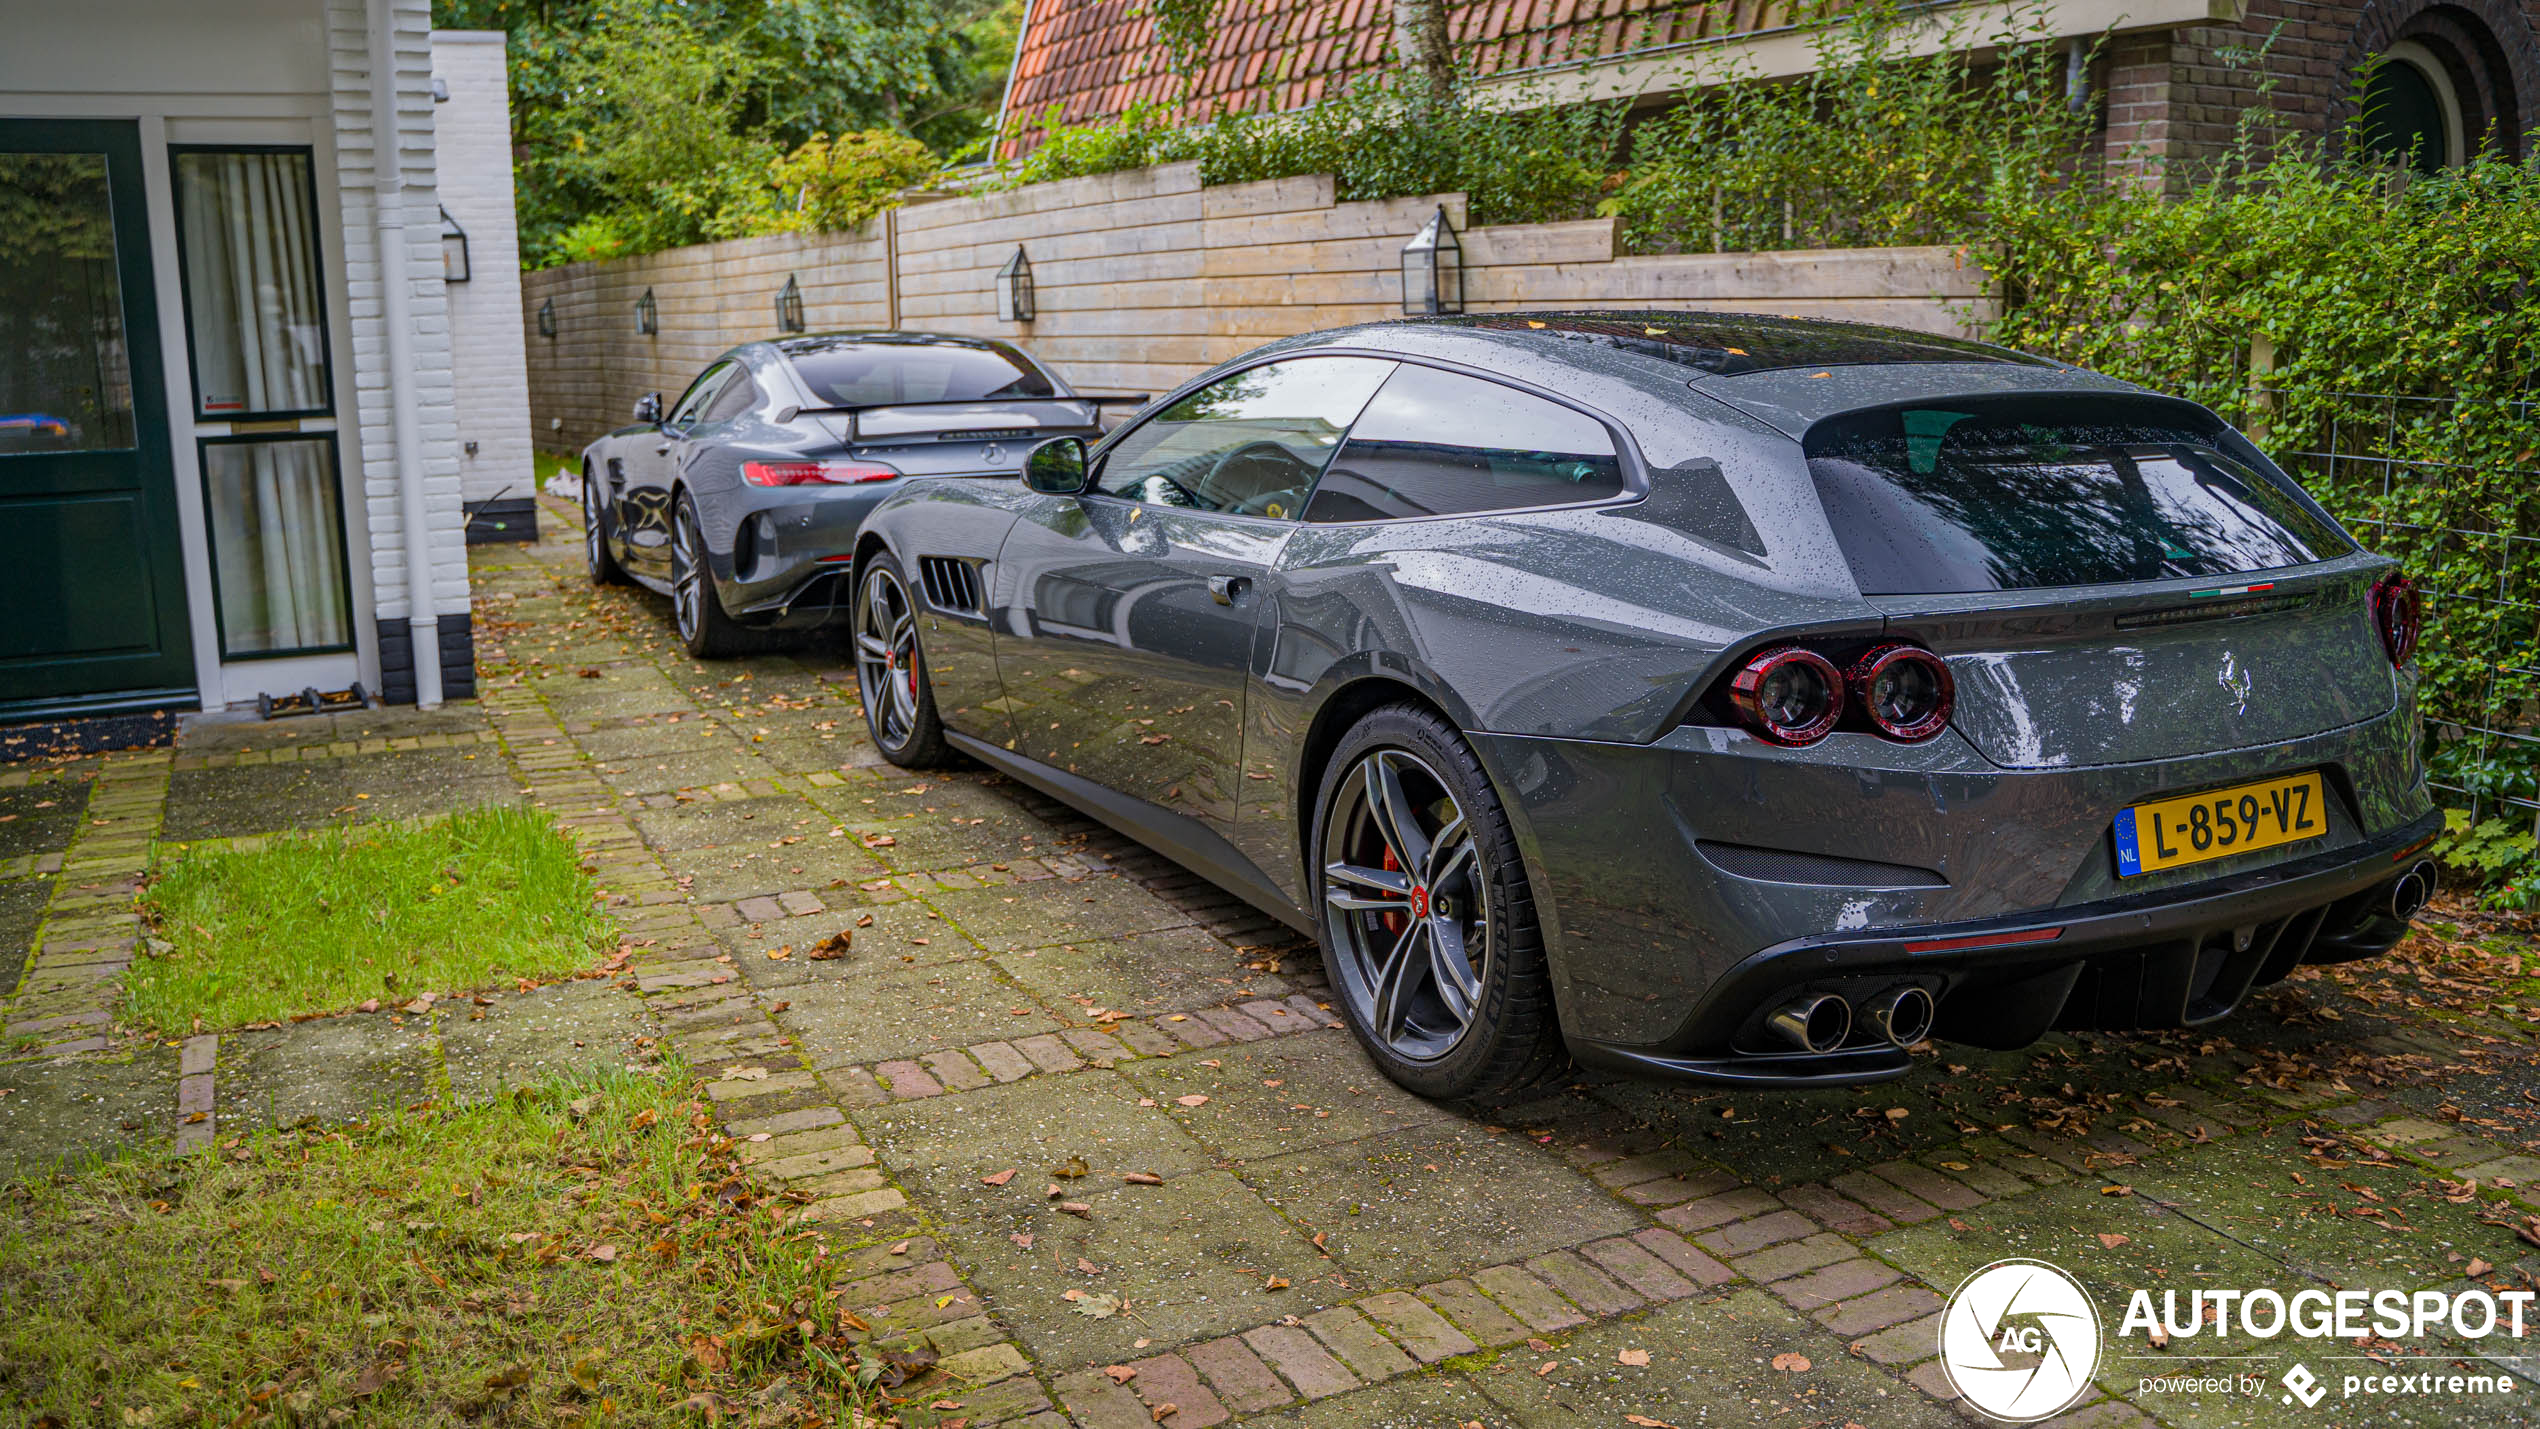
(595, 536)
(708, 633)
(1428, 927)
(890, 670)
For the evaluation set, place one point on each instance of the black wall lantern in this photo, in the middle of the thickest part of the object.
(1014, 289)
(789, 305)
(453, 249)
(647, 314)
(547, 318)
(1433, 270)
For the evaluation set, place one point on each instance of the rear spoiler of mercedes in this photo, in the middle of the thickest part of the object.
(972, 419)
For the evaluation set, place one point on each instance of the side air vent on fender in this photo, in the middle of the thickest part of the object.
(952, 584)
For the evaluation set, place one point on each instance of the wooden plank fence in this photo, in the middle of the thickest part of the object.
(1146, 277)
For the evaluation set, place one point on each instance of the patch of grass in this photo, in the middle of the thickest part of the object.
(587, 1253)
(318, 921)
(549, 465)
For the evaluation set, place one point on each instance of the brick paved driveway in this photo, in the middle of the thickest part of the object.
(1074, 1110)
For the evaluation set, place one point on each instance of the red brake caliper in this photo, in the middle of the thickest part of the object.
(1394, 921)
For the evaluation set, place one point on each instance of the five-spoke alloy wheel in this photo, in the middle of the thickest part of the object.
(890, 669)
(1409, 912)
(1428, 929)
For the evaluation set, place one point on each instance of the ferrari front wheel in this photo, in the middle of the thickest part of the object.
(890, 670)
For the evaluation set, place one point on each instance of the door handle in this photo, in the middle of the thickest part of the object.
(1226, 590)
(662, 450)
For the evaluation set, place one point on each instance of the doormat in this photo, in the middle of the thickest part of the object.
(96, 734)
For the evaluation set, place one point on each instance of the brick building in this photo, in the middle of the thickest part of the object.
(2170, 79)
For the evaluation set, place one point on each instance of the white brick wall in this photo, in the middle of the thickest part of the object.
(473, 138)
(358, 165)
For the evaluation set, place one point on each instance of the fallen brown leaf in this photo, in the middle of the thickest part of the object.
(1634, 1358)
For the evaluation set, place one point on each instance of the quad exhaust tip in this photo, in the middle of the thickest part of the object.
(1904, 1015)
(2413, 890)
(1817, 1023)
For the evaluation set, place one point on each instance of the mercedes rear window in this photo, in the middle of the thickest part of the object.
(1978, 497)
(879, 375)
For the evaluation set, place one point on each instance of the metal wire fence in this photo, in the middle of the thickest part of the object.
(2451, 489)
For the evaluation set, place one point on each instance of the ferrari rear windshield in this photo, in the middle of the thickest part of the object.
(1978, 497)
(879, 375)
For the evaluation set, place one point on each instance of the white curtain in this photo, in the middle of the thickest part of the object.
(251, 282)
(275, 547)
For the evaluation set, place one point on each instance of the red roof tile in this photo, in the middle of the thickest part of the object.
(1096, 57)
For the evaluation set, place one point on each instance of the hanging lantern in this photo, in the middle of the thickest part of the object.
(1014, 289)
(547, 318)
(453, 249)
(789, 305)
(647, 315)
(1433, 270)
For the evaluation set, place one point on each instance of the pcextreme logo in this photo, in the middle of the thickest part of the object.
(2019, 1340)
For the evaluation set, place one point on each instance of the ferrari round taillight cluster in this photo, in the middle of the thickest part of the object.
(1788, 695)
(1905, 690)
(1791, 695)
(2398, 615)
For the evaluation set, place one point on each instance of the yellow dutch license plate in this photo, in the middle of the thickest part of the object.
(2219, 823)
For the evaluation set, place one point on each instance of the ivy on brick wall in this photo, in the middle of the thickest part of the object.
(1879, 145)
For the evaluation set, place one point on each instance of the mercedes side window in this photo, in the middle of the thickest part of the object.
(1249, 444)
(738, 395)
(1438, 443)
(708, 385)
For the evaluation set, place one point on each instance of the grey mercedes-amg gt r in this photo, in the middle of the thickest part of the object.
(741, 501)
(1715, 697)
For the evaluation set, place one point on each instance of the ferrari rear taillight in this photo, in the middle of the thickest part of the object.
(1788, 695)
(2398, 615)
(1905, 691)
(813, 473)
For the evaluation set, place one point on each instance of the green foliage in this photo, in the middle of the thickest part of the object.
(643, 124)
(1138, 136)
(1879, 146)
(1384, 137)
(320, 921)
(837, 184)
(2495, 854)
(1183, 27)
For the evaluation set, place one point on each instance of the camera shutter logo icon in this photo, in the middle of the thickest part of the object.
(2020, 1340)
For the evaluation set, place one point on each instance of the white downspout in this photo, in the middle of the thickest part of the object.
(396, 292)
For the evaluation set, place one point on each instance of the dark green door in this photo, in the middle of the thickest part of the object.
(91, 578)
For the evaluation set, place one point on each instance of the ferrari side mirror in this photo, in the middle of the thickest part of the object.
(1056, 467)
(648, 408)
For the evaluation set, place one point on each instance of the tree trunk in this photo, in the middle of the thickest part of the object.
(1420, 38)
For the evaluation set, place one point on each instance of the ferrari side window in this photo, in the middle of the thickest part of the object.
(1439, 443)
(1249, 444)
